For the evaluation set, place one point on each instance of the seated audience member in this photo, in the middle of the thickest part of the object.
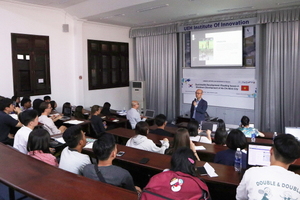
(105, 150)
(47, 99)
(106, 109)
(78, 114)
(29, 118)
(53, 105)
(193, 128)
(275, 181)
(67, 109)
(248, 131)
(220, 136)
(140, 140)
(96, 120)
(7, 123)
(222, 124)
(235, 139)
(25, 104)
(182, 139)
(71, 158)
(38, 146)
(180, 182)
(47, 122)
(161, 122)
(133, 115)
(16, 101)
(36, 105)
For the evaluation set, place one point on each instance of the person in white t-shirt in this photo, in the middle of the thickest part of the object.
(275, 181)
(71, 158)
(133, 115)
(29, 118)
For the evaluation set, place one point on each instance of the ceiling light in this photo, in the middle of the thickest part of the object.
(185, 16)
(284, 3)
(234, 9)
(153, 8)
(111, 16)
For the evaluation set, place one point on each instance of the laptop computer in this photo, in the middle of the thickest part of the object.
(209, 125)
(258, 154)
(149, 113)
(295, 131)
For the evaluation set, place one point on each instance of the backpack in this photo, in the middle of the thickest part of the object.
(174, 186)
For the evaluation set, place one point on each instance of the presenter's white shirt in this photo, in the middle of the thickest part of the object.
(21, 139)
(273, 182)
(73, 161)
(133, 116)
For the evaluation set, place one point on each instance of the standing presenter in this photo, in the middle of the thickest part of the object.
(199, 107)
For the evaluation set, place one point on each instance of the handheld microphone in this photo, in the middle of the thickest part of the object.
(195, 99)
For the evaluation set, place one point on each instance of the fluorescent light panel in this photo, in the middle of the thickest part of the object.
(153, 8)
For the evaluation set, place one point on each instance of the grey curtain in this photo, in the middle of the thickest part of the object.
(279, 102)
(156, 64)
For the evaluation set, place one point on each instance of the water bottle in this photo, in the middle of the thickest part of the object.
(253, 137)
(238, 160)
(275, 134)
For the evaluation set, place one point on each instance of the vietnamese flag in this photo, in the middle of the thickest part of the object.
(244, 87)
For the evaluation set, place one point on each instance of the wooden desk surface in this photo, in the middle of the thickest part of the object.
(40, 180)
(159, 162)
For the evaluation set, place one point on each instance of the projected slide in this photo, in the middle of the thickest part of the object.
(220, 47)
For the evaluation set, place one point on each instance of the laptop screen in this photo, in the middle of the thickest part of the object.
(149, 113)
(295, 131)
(259, 154)
(209, 125)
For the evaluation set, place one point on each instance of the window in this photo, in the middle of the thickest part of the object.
(108, 64)
(31, 67)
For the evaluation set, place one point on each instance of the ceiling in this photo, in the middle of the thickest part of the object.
(132, 13)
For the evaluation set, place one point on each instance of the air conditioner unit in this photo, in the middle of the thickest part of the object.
(138, 93)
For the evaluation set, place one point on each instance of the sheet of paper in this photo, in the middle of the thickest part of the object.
(210, 170)
(200, 148)
(15, 116)
(73, 122)
(60, 140)
(89, 145)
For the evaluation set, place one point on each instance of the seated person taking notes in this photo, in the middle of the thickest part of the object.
(161, 122)
(105, 150)
(133, 115)
(194, 131)
(47, 122)
(71, 158)
(140, 140)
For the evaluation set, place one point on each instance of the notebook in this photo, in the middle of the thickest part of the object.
(295, 131)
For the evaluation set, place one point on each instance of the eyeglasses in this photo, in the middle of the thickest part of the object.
(198, 92)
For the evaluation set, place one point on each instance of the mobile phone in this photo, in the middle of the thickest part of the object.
(144, 160)
(120, 153)
(202, 171)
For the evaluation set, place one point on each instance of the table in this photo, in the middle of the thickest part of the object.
(39, 180)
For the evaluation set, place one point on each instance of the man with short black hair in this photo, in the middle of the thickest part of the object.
(161, 122)
(6, 121)
(105, 149)
(71, 158)
(47, 99)
(29, 118)
(275, 181)
(25, 104)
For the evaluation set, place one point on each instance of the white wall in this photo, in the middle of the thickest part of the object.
(68, 52)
